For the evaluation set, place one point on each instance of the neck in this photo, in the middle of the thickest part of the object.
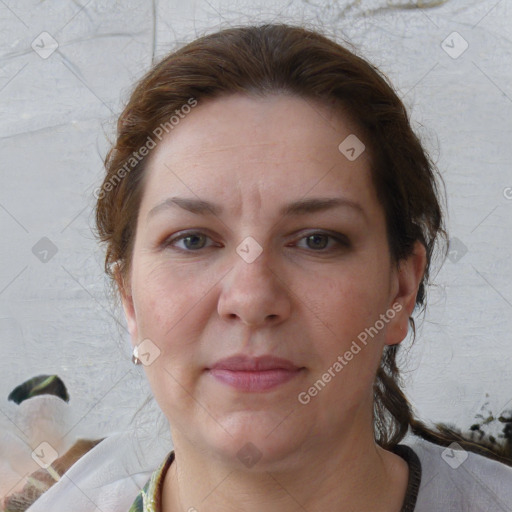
(352, 474)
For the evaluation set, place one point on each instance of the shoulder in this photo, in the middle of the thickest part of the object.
(460, 480)
(108, 477)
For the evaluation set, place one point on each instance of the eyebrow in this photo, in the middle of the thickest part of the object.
(300, 207)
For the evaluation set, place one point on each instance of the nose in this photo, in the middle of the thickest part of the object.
(255, 293)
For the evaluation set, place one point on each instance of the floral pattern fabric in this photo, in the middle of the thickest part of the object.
(149, 498)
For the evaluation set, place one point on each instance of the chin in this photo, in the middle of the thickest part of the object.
(259, 441)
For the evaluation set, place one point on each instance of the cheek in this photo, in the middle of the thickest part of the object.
(165, 298)
(173, 388)
(170, 313)
(172, 309)
(345, 304)
(346, 308)
(346, 356)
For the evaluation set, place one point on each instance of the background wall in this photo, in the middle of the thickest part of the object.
(66, 69)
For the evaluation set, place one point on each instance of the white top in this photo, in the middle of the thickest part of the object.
(109, 477)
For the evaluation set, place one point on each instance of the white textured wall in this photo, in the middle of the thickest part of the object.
(57, 111)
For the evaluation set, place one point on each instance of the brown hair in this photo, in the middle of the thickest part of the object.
(278, 58)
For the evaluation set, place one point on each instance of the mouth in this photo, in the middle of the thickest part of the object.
(254, 374)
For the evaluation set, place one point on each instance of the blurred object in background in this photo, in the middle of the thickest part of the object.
(40, 385)
(36, 445)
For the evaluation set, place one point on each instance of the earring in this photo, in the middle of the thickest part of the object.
(135, 358)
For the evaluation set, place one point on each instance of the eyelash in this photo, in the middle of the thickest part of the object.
(340, 239)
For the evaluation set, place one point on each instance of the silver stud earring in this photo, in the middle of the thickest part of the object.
(135, 358)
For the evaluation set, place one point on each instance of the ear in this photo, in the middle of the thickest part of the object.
(124, 287)
(405, 283)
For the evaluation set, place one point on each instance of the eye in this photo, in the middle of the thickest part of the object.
(192, 240)
(319, 240)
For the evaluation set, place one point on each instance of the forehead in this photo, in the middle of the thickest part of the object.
(270, 149)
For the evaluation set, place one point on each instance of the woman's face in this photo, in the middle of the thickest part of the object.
(312, 284)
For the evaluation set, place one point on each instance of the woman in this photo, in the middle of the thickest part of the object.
(270, 219)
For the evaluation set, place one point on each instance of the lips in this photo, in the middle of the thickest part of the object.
(254, 364)
(254, 374)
